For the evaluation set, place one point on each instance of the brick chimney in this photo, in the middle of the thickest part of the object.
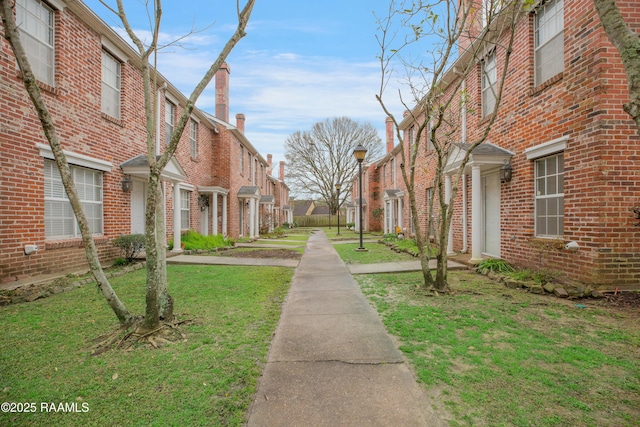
(281, 170)
(269, 163)
(390, 139)
(222, 92)
(240, 122)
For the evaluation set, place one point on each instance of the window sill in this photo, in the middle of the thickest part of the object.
(544, 85)
(73, 242)
(547, 243)
(112, 119)
(43, 86)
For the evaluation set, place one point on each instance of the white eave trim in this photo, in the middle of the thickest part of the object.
(547, 148)
(113, 49)
(213, 190)
(77, 159)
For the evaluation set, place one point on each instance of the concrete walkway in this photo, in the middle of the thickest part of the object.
(331, 361)
(398, 267)
(229, 260)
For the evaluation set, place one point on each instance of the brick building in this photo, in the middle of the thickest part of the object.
(571, 149)
(91, 81)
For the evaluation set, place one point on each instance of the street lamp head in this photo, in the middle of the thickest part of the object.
(338, 186)
(359, 153)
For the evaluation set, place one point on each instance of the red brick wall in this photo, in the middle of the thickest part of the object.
(74, 103)
(602, 171)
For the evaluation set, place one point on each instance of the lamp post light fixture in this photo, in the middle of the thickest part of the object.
(359, 154)
(338, 186)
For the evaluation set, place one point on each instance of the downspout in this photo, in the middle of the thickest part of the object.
(465, 221)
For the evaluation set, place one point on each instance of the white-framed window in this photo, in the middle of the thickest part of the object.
(549, 41)
(490, 8)
(393, 172)
(111, 84)
(35, 20)
(169, 120)
(241, 160)
(193, 138)
(185, 209)
(412, 141)
(489, 79)
(549, 196)
(59, 220)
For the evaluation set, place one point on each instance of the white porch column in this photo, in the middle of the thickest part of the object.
(177, 219)
(256, 218)
(225, 232)
(400, 215)
(385, 225)
(476, 214)
(214, 215)
(251, 214)
(447, 197)
(272, 219)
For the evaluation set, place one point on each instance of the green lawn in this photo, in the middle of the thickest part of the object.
(489, 355)
(207, 380)
(376, 252)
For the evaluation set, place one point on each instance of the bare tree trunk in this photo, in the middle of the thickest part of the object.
(11, 33)
(154, 266)
(432, 113)
(628, 44)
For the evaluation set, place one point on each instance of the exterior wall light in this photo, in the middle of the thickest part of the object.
(127, 184)
(506, 172)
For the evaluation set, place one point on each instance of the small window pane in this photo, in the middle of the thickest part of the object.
(549, 40)
(35, 21)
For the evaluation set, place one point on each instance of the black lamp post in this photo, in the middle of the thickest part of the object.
(359, 154)
(338, 186)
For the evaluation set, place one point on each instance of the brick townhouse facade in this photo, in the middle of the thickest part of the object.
(571, 149)
(91, 82)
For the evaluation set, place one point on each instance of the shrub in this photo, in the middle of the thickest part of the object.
(119, 262)
(130, 245)
(494, 265)
(196, 241)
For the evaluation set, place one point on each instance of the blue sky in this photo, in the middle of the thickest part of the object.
(301, 61)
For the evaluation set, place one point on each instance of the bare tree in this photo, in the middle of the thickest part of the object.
(453, 38)
(323, 157)
(158, 301)
(627, 42)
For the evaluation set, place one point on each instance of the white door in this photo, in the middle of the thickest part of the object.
(491, 213)
(138, 202)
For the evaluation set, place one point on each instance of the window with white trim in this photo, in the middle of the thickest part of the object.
(549, 196)
(241, 160)
(59, 219)
(111, 84)
(412, 141)
(193, 138)
(185, 209)
(35, 21)
(169, 121)
(489, 79)
(393, 173)
(549, 41)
